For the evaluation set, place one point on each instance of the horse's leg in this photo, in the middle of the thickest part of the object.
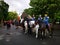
(36, 33)
(42, 34)
(43, 31)
(47, 32)
(23, 27)
(26, 29)
(51, 31)
(30, 30)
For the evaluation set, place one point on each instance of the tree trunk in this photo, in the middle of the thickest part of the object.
(1, 23)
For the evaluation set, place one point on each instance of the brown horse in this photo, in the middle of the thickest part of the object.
(45, 31)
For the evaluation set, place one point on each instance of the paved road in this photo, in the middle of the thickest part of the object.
(16, 37)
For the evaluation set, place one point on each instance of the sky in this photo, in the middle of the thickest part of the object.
(18, 5)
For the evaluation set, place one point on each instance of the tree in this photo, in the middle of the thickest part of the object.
(12, 15)
(3, 10)
(44, 6)
(57, 16)
(29, 11)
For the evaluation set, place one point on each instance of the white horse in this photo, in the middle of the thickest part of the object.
(35, 28)
(21, 20)
(31, 23)
(26, 25)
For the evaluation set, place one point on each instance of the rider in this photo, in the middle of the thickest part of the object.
(46, 21)
(40, 20)
(33, 18)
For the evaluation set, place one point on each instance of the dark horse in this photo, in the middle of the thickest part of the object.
(44, 32)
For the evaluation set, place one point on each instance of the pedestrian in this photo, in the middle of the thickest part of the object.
(8, 24)
(16, 23)
(8, 27)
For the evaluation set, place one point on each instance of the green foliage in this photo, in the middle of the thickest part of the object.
(44, 6)
(12, 15)
(1, 14)
(3, 10)
(29, 11)
(57, 16)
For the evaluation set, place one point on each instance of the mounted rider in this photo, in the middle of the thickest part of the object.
(33, 18)
(46, 20)
(40, 20)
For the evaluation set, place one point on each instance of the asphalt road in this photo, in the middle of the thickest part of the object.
(17, 37)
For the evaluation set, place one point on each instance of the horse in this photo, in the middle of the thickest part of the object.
(35, 29)
(46, 32)
(26, 26)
